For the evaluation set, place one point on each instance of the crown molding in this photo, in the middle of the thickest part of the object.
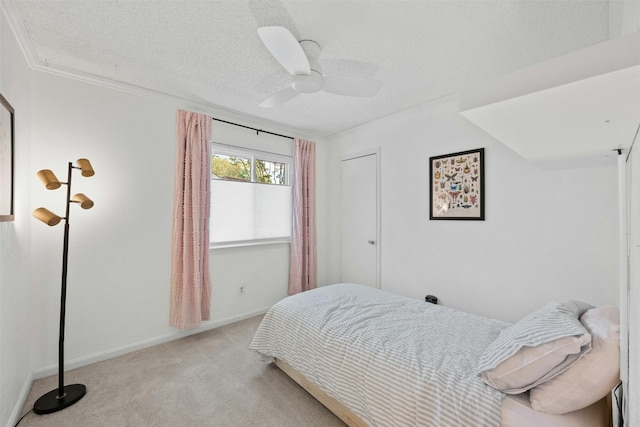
(30, 53)
(12, 14)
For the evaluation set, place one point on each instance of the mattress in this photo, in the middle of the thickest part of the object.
(516, 409)
(517, 412)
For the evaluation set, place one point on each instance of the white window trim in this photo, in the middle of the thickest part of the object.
(233, 151)
(245, 243)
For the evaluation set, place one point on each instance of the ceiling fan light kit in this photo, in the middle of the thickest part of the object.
(300, 59)
(307, 83)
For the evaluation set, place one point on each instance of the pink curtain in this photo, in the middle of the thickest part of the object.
(190, 279)
(303, 261)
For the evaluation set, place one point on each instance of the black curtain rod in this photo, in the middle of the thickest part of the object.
(249, 127)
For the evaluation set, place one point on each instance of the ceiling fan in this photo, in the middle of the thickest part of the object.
(300, 59)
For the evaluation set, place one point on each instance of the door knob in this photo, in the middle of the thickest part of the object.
(371, 242)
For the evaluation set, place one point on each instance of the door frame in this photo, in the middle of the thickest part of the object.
(377, 152)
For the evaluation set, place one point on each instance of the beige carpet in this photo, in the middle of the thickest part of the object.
(208, 379)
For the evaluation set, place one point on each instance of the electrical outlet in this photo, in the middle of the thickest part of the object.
(242, 290)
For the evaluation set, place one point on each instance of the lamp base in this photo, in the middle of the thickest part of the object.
(50, 402)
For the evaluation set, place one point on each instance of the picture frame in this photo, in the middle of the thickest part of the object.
(456, 186)
(7, 136)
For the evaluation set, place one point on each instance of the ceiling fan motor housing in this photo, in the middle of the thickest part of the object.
(308, 83)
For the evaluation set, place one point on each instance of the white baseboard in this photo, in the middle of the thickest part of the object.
(22, 398)
(109, 354)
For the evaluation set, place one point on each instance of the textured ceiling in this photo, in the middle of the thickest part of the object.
(209, 51)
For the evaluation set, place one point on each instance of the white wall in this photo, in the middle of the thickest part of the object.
(624, 17)
(547, 234)
(119, 260)
(632, 409)
(15, 294)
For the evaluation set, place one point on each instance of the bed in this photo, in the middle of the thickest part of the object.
(380, 359)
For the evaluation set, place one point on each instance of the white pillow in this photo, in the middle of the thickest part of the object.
(593, 377)
(530, 364)
(536, 348)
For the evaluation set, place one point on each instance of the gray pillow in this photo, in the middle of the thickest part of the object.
(525, 354)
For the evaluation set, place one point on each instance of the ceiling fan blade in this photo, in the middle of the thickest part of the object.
(285, 49)
(351, 86)
(279, 97)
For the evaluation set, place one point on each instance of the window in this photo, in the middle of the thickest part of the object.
(249, 168)
(250, 197)
(229, 167)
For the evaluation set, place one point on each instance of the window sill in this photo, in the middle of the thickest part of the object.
(247, 243)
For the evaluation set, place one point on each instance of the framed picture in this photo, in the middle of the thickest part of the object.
(456, 186)
(6, 160)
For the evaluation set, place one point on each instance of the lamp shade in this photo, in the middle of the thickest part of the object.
(49, 179)
(46, 216)
(85, 165)
(85, 202)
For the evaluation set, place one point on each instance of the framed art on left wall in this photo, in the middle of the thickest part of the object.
(7, 131)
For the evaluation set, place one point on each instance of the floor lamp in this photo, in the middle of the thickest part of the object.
(63, 396)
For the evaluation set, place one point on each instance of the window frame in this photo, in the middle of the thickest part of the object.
(253, 155)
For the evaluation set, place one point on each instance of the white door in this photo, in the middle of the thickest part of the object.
(359, 249)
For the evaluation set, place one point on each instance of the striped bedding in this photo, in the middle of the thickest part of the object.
(392, 360)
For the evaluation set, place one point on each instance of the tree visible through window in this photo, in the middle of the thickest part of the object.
(231, 168)
(269, 172)
(235, 168)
